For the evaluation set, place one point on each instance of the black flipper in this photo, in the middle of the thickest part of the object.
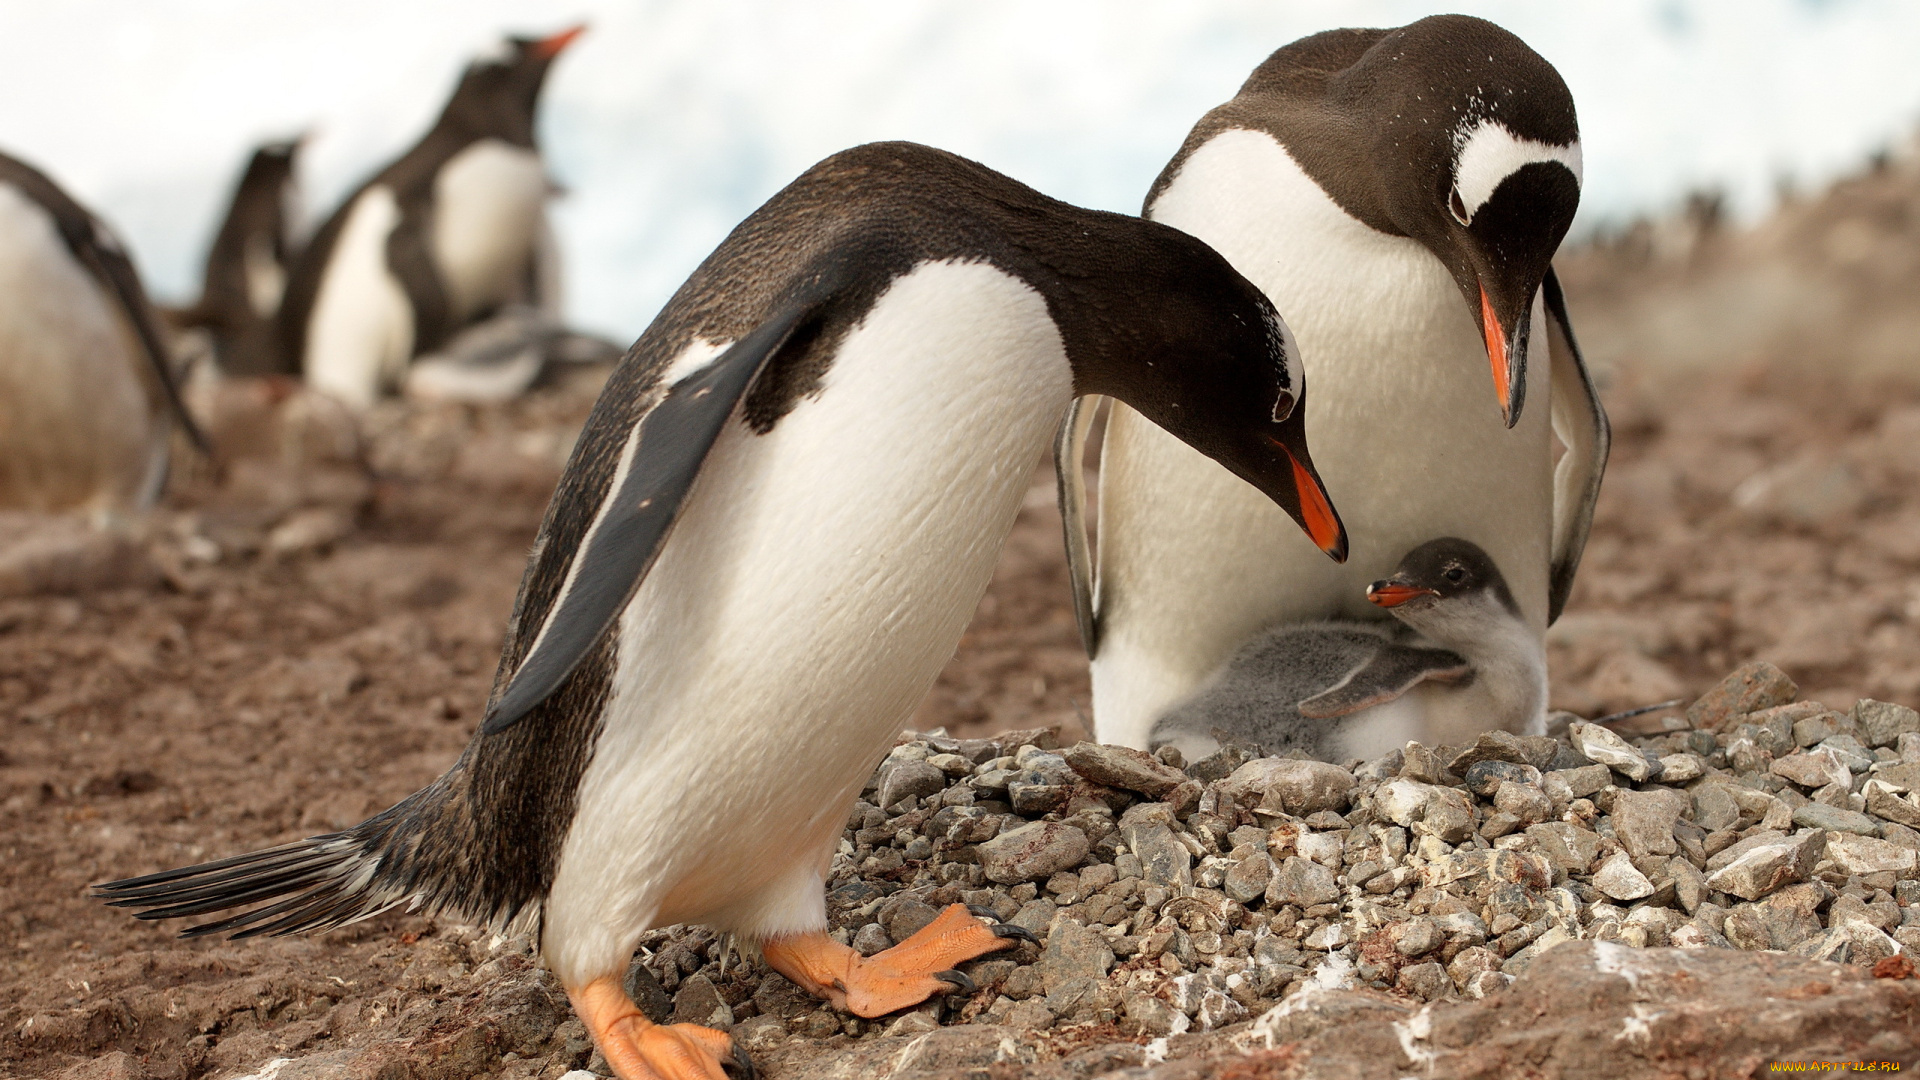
(1580, 423)
(662, 458)
(1391, 672)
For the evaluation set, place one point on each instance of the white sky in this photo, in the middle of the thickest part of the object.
(672, 119)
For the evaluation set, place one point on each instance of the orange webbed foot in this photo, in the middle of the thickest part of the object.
(898, 978)
(639, 1049)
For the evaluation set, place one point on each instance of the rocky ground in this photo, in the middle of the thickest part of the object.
(307, 635)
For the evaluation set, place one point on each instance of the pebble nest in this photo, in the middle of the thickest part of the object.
(1172, 896)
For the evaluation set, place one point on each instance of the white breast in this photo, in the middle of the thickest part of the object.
(79, 422)
(360, 332)
(488, 214)
(818, 579)
(1401, 419)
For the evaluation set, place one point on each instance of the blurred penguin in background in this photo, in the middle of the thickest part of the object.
(246, 273)
(88, 396)
(451, 234)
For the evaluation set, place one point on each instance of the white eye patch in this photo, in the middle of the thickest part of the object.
(1489, 153)
(1294, 376)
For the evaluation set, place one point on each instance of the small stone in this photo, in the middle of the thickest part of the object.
(1585, 781)
(1329, 937)
(916, 778)
(1832, 818)
(1883, 803)
(1567, 846)
(1426, 766)
(1029, 1015)
(1032, 852)
(1483, 778)
(1154, 1015)
(1750, 688)
(1428, 981)
(1295, 787)
(1780, 922)
(1164, 860)
(1401, 801)
(1865, 855)
(1417, 937)
(1847, 749)
(1681, 768)
(917, 1022)
(1689, 884)
(1766, 867)
(1618, 878)
(1643, 821)
(1603, 746)
(1325, 848)
(1497, 745)
(1302, 883)
(1217, 1010)
(1073, 951)
(1524, 802)
(1035, 916)
(1123, 768)
(1714, 808)
(699, 1002)
(871, 939)
(1247, 880)
(1882, 723)
(1812, 770)
(1449, 815)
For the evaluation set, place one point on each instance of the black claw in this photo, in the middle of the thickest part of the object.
(958, 979)
(982, 913)
(741, 1065)
(1008, 930)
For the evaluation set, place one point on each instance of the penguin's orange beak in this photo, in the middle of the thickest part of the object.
(1499, 356)
(1317, 517)
(1391, 594)
(548, 48)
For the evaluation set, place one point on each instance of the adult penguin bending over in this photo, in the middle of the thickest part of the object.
(452, 231)
(1398, 195)
(779, 518)
(87, 393)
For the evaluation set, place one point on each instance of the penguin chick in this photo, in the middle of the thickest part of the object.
(773, 531)
(87, 391)
(1461, 661)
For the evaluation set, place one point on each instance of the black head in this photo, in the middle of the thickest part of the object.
(497, 94)
(1200, 351)
(1439, 571)
(1450, 131)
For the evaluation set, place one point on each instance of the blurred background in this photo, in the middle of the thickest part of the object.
(672, 119)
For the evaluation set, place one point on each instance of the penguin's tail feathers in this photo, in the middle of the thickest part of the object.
(397, 857)
(319, 883)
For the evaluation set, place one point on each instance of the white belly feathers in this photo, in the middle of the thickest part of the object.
(1401, 415)
(79, 428)
(489, 213)
(819, 577)
(360, 334)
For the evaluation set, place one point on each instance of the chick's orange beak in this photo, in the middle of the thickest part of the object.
(1389, 594)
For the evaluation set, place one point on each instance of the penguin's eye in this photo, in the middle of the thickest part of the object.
(1283, 407)
(1457, 206)
(1454, 574)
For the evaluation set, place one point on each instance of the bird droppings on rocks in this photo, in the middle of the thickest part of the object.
(1189, 914)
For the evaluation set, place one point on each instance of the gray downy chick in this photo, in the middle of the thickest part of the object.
(1459, 660)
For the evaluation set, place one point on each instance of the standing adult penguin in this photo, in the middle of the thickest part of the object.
(1398, 194)
(773, 530)
(246, 272)
(453, 230)
(87, 392)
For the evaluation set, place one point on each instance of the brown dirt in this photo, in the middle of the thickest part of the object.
(335, 655)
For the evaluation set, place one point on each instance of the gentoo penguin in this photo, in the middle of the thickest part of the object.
(247, 268)
(772, 532)
(1463, 661)
(87, 392)
(452, 231)
(1398, 195)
